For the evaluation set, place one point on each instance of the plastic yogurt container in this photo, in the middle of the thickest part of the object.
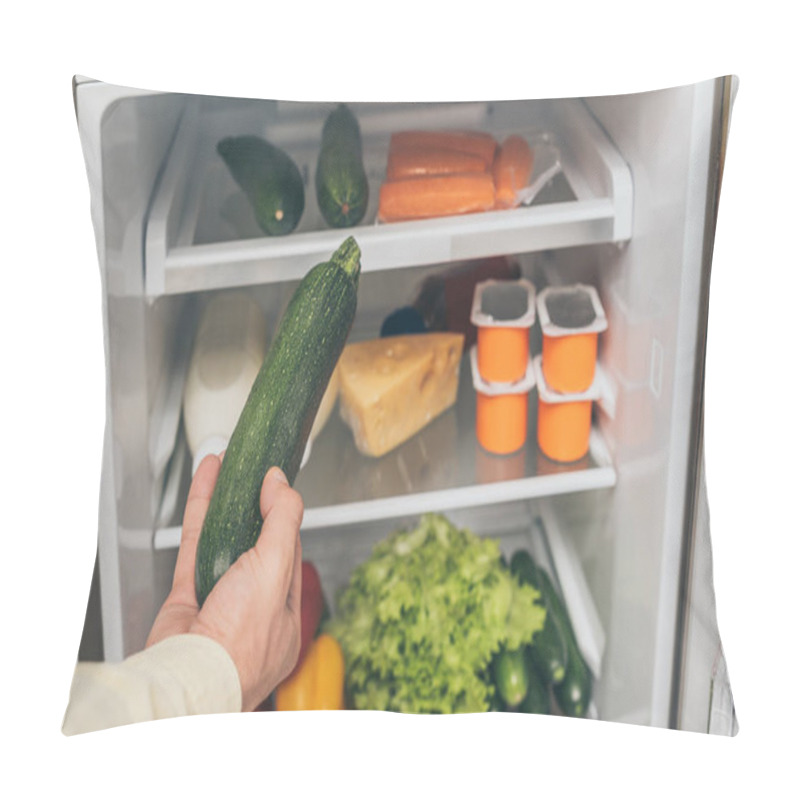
(571, 318)
(564, 419)
(501, 417)
(503, 312)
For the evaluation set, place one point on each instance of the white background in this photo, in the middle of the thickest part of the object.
(54, 384)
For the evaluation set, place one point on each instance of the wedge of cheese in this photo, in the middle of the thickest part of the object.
(391, 388)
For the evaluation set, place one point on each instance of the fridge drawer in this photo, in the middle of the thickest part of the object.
(338, 550)
(201, 235)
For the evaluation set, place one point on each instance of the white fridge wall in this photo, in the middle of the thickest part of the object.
(121, 128)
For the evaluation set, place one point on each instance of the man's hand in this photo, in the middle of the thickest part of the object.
(254, 609)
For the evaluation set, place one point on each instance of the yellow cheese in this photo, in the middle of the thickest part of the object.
(391, 388)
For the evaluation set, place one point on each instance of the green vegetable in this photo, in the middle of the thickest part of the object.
(276, 420)
(574, 692)
(537, 700)
(495, 703)
(423, 616)
(270, 180)
(549, 648)
(340, 179)
(511, 676)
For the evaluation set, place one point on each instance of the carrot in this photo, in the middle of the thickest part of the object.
(435, 196)
(412, 162)
(475, 142)
(511, 170)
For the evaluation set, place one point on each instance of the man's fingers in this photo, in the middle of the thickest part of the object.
(203, 483)
(278, 544)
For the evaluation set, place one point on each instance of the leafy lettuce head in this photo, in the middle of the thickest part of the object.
(421, 619)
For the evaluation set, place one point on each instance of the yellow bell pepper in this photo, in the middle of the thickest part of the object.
(318, 685)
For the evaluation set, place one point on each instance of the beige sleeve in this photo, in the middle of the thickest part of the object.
(185, 674)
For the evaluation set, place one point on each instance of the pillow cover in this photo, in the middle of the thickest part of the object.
(472, 336)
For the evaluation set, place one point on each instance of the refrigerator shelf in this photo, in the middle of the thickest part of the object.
(543, 480)
(598, 474)
(201, 235)
(442, 468)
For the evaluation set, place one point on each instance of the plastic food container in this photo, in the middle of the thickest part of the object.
(503, 312)
(501, 417)
(571, 317)
(565, 420)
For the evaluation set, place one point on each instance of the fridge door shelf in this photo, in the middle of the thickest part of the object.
(201, 235)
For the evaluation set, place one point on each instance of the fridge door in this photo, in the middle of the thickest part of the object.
(704, 699)
(655, 290)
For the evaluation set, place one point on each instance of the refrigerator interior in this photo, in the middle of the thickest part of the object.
(627, 211)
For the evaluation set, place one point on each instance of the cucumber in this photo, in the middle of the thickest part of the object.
(548, 650)
(269, 179)
(340, 179)
(537, 700)
(495, 703)
(276, 420)
(511, 676)
(574, 692)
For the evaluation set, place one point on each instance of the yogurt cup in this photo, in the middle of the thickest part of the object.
(564, 419)
(571, 318)
(503, 312)
(501, 416)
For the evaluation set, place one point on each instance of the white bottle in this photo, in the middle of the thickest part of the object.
(229, 349)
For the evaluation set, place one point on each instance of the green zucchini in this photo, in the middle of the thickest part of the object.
(537, 700)
(574, 692)
(340, 179)
(495, 703)
(548, 649)
(269, 179)
(511, 676)
(276, 420)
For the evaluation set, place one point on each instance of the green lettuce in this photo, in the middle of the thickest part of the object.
(422, 617)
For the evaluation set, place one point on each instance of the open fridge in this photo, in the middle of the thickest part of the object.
(626, 191)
